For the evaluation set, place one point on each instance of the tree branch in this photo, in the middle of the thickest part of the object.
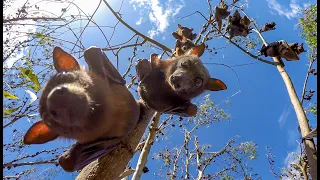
(146, 149)
(301, 116)
(33, 18)
(135, 31)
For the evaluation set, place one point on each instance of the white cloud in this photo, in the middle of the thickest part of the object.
(159, 15)
(283, 116)
(291, 12)
(292, 158)
(141, 19)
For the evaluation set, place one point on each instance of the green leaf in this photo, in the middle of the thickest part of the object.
(29, 75)
(313, 110)
(9, 96)
(10, 111)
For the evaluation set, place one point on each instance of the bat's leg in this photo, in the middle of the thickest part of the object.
(176, 35)
(143, 69)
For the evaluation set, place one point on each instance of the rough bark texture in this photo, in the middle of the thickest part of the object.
(114, 163)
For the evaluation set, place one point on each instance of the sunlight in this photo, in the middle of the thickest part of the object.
(43, 8)
(73, 8)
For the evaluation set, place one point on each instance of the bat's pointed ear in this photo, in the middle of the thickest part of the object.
(154, 57)
(63, 61)
(215, 85)
(179, 26)
(39, 133)
(197, 50)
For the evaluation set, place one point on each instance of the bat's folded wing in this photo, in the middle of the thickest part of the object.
(80, 155)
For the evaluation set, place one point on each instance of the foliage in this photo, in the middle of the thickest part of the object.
(308, 24)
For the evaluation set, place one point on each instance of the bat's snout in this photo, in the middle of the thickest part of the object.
(180, 82)
(67, 103)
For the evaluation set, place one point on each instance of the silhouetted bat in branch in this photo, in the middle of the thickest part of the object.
(184, 33)
(168, 86)
(91, 106)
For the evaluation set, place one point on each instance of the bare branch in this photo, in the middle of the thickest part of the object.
(33, 18)
(9, 165)
(146, 149)
(135, 31)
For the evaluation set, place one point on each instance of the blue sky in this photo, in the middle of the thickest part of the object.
(261, 112)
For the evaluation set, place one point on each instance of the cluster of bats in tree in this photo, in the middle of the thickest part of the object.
(240, 26)
(95, 108)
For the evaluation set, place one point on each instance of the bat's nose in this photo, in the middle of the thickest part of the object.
(65, 104)
(180, 81)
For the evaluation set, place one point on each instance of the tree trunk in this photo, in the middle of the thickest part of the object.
(301, 116)
(302, 120)
(114, 163)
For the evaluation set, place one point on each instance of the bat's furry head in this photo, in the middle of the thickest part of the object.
(188, 76)
(71, 97)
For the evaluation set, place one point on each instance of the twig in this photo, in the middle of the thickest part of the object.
(146, 149)
(33, 18)
(135, 31)
(8, 165)
(130, 60)
(198, 156)
(175, 164)
(245, 51)
(306, 80)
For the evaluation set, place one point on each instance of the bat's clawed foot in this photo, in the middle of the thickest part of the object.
(186, 110)
(68, 159)
(143, 69)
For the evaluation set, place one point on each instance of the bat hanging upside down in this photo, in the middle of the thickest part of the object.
(93, 106)
(169, 85)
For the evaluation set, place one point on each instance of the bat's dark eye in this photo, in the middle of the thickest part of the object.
(185, 63)
(184, 48)
(198, 82)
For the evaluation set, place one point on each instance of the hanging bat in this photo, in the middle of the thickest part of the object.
(169, 85)
(184, 33)
(182, 46)
(221, 13)
(237, 25)
(268, 27)
(93, 106)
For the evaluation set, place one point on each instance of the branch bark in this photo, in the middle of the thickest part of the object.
(114, 163)
(146, 149)
(33, 18)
